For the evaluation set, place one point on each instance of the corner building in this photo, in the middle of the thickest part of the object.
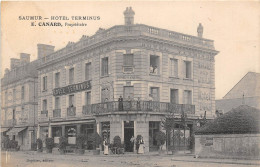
(19, 101)
(157, 72)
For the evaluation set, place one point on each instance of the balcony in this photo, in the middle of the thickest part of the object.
(57, 113)
(143, 106)
(71, 111)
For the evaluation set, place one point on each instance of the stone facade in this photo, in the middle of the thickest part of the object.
(19, 101)
(131, 60)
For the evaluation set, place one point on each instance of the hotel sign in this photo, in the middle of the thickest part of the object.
(72, 88)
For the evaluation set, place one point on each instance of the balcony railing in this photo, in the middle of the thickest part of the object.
(71, 111)
(57, 113)
(145, 106)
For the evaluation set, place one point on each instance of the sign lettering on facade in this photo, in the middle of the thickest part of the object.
(72, 88)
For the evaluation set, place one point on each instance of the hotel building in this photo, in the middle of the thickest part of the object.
(157, 72)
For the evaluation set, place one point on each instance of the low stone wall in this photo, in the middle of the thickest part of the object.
(240, 146)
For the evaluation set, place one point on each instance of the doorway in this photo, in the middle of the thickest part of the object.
(128, 134)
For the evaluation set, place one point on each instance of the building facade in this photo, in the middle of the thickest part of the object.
(123, 81)
(19, 101)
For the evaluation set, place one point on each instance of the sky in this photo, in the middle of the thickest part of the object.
(234, 27)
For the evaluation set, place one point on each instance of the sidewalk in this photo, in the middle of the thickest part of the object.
(175, 157)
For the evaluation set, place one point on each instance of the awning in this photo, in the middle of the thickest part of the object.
(15, 131)
(4, 130)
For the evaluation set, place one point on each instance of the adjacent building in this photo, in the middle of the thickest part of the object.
(245, 92)
(19, 101)
(123, 81)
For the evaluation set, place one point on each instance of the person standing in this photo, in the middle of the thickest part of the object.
(105, 146)
(120, 104)
(138, 104)
(141, 146)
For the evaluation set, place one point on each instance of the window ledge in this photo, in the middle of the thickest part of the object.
(104, 76)
(174, 77)
(189, 79)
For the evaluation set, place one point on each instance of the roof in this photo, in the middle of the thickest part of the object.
(249, 86)
(241, 120)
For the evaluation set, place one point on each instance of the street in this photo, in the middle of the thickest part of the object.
(32, 159)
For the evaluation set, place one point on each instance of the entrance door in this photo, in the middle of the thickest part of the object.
(128, 134)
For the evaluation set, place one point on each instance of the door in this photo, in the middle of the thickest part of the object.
(128, 134)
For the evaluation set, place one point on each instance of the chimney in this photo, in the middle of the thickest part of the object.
(44, 50)
(129, 16)
(24, 58)
(15, 63)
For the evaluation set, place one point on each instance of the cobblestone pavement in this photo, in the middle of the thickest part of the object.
(32, 159)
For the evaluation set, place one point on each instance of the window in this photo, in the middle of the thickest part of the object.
(187, 97)
(128, 60)
(174, 68)
(44, 83)
(14, 114)
(57, 102)
(154, 64)
(14, 94)
(104, 67)
(22, 92)
(105, 94)
(87, 98)
(71, 76)
(128, 63)
(187, 69)
(71, 101)
(128, 92)
(88, 71)
(44, 105)
(155, 94)
(57, 80)
(174, 96)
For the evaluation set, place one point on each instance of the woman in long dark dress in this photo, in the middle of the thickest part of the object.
(120, 104)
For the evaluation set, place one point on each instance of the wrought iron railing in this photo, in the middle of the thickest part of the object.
(71, 111)
(146, 106)
(57, 113)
